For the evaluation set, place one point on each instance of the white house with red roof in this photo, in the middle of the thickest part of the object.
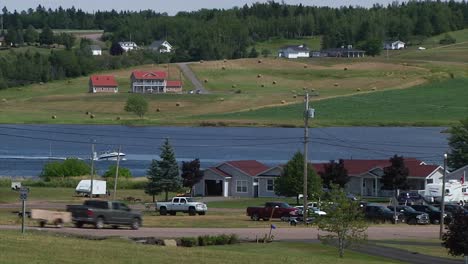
(366, 174)
(241, 178)
(103, 84)
(148, 82)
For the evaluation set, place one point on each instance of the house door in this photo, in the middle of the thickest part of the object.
(255, 185)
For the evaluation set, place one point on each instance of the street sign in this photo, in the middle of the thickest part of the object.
(23, 193)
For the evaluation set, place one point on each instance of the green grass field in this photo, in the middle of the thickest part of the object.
(37, 247)
(438, 103)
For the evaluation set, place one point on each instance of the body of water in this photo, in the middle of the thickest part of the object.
(24, 149)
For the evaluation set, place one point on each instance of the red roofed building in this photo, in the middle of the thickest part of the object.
(103, 84)
(174, 86)
(241, 178)
(148, 82)
(365, 175)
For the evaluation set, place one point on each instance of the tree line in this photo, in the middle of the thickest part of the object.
(229, 33)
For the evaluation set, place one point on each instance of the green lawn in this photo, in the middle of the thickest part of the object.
(36, 247)
(435, 249)
(438, 103)
(459, 35)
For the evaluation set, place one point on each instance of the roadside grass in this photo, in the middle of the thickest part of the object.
(243, 203)
(38, 247)
(440, 103)
(435, 249)
(274, 44)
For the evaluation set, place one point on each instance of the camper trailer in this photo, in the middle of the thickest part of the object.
(455, 192)
(84, 188)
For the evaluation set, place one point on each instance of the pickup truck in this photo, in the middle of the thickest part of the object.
(181, 204)
(100, 213)
(272, 210)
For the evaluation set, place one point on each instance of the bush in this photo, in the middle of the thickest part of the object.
(448, 39)
(188, 242)
(123, 172)
(68, 168)
(217, 240)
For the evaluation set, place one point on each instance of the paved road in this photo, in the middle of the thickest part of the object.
(189, 74)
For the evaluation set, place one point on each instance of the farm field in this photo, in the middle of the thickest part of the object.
(40, 247)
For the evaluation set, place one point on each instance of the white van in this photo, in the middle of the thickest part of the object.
(455, 192)
(84, 187)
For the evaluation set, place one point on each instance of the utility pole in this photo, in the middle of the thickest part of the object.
(442, 201)
(117, 173)
(92, 169)
(306, 141)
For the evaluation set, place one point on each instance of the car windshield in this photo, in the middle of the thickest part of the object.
(408, 209)
(432, 208)
(189, 200)
(385, 209)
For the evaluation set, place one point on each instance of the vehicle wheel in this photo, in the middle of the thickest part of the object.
(172, 213)
(135, 224)
(58, 223)
(266, 219)
(115, 226)
(163, 211)
(191, 211)
(42, 223)
(78, 224)
(201, 213)
(255, 217)
(99, 223)
(412, 221)
(293, 223)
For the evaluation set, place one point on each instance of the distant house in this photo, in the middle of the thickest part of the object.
(242, 178)
(294, 52)
(161, 46)
(394, 45)
(148, 82)
(103, 84)
(128, 45)
(95, 50)
(348, 52)
(460, 175)
(366, 174)
(174, 86)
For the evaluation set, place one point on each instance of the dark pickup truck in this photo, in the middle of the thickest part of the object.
(412, 217)
(271, 210)
(99, 213)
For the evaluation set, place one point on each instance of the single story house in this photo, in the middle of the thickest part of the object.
(394, 45)
(242, 178)
(95, 50)
(460, 175)
(148, 82)
(173, 86)
(103, 84)
(365, 175)
(294, 52)
(161, 46)
(128, 45)
(343, 52)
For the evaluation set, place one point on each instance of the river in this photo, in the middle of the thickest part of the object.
(24, 149)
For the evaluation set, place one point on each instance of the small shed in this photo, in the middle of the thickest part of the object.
(174, 86)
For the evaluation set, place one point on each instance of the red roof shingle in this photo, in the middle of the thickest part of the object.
(251, 167)
(149, 75)
(103, 81)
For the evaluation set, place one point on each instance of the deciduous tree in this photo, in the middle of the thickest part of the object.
(458, 142)
(456, 238)
(335, 173)
(137, 104)
(395, 177)
(191, 173)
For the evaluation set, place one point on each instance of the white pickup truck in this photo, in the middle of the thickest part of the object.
(181, 204)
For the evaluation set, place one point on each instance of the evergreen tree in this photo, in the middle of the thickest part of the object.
(253, 53)
(46, 37)
(191, 174)
(335, 173)
(291, 181)
(163, 174)
(31, 35)
(116, 49)
(458, 142)
(11, 36)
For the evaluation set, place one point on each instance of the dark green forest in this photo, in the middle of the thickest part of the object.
(215, 34)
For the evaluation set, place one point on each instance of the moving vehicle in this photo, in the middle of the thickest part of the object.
(412, 217)
(50, 217)
(84, 188)
(100, 213)
(380, 213)
(455, 192)
(272, 210)
(433, 212)
(181, 204)
(109, 155)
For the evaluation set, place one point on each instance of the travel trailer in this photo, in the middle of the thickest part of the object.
(455, 192)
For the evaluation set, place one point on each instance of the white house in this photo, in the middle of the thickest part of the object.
(128, 45)
(460, 175)
(161, 46)
(394, 45)
(95, 50)
(294, 52)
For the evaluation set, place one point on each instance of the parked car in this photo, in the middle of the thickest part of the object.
(412, 217)
(453, 208)
(409, 198)
(100, 213)
(181, 204)
(312, 211)
(433, 212)
(380, 213)
(272, 210)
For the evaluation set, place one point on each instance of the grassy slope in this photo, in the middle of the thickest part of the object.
(45, 248)
(441, 103)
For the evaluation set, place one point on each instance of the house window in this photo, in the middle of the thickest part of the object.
(270, 185)
(241, 186)
(428, 181)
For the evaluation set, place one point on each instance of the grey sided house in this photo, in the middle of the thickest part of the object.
(242, 178)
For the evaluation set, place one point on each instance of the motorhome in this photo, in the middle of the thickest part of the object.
(455, 192)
